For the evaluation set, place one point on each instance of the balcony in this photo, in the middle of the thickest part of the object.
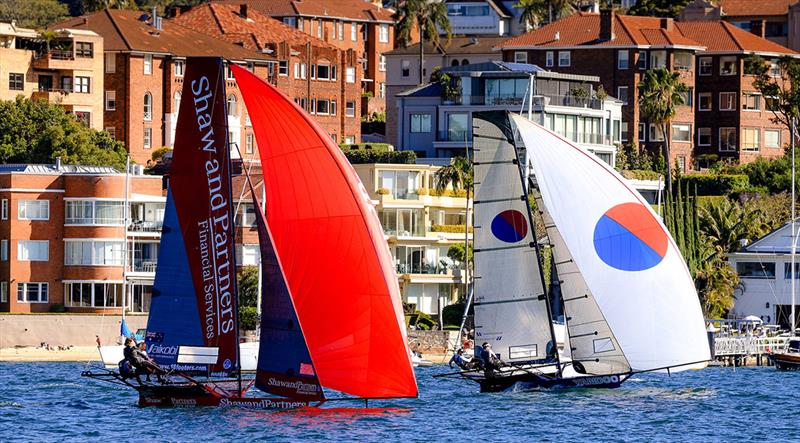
(61, 59)
(424, 268)
(453, 135)
(144, 266)
(51, 95)
(145, 226)
(514, 101)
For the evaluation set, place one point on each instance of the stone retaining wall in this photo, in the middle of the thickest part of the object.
(63, 329)
(431, 342)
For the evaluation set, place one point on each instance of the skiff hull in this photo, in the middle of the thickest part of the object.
(528, 381)
(786, 362)
(197, 396)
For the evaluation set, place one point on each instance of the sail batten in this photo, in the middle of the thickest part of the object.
(624, 253)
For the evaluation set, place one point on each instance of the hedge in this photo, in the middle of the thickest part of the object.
(397, 157)
(248, 316)
(640, 174)
(450, 228)
(716, 184)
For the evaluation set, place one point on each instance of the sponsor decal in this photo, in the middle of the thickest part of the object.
(628, 238)
(156, 349)
(183, 402)
(154, 337)
(226, 364)
(510, 226)
(598, 380)
(306, 369)
(299, 386)
(264, 403)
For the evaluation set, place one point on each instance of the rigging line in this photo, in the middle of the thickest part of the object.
(500, 248)
(496, 162)
(499, 200)
(509, 300)
(669, 367)
(502, 139)
(582, 297)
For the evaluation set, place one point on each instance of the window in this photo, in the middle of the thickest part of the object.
(704, 136)
(656, 133)
(148, 106)
(319, 28)
(95, 212)
(32, 250)
(642, 132)
(658, 59)
(770, 103)
(457, 127)
(727, 101)
(642, 62)
(93, 294)
(33, 210)
(4, 250)
(148, 64)
(401, 184)
(548, 58)
(83, 117)
(681, 132)
(323, 107)
(31, 292)
(180, 67)
(622, 59)
(727, 139)
(563, 58)
(4, 292)
(350, 75)
(383, 35)
(622, 94)
(727, 66)
(621, 134)
(520, 57)
(147, 138)
(324, 72)
(84, 49)
(420, 123)
(406, 68)
(751, 101)
(94, 253)
(229, 72)
(249, 143)
(687, 97)
(350, 109)
(704, 101)
(772, 138)
(353, 31)
(82, 85)
(66, 84)
(756, 269)
(111, 100)
(4, 209)
(706, 66)
(333, 111)
(751, 139)
(232, 105)
(683, 61)
(382, 90)
(177, 102)
(283, 67)
(247, 255)
(110, 62)
(290, 21)
(382, 63)
(340, 26)
(16, 82)
(303, 70)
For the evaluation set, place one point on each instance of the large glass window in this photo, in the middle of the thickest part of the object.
(506, 91)
(681, 132)
(727, 139)
(402, 222)
(33, 250)
(383, 35)
(28, 292)
(94, 253)
(763, 270)
(457, 124)
(623, 60)
(33, 210)
(420, 123)
(400, 184)
(658, 59)
(92, 294)
(95, 212)
(751, 139)
(728, 65)
(144, 257)
(772, 138)
(751, 101)
(683, 61)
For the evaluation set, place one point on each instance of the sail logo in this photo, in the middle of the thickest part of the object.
(510, 226)
(627, 237)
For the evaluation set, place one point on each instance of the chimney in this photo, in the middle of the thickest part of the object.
(58, 163)
(243, 10)
(606, 24)
(667, 24)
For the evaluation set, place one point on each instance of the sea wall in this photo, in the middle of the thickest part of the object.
(63, 329)
(431, 342)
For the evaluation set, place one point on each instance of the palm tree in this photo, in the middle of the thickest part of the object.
(428, 17)
(457, 174)
(534, 12)
(660, 92)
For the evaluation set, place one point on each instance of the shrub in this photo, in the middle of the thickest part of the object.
(716, 184)
(640, 174)
(248, 318)
(450, 228)
(394, 157)
(452, 314)
(422, 191)
(383, 191)
(424, 321)
(158, 154)
(57, 308)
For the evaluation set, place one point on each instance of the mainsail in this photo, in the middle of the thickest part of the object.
(194, 294)
(624, 253)
(284, 363)
(331, 249)
(511, 307)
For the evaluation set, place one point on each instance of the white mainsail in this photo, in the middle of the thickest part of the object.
(511, 310)
(623, 251)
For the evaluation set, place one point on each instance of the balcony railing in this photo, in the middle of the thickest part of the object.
(424, 268)
(404, 232)
(453, 136)
(586, 137)
(55, 54)
(145, 226)
(144, 266)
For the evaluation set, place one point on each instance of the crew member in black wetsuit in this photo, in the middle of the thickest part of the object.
(491, 362)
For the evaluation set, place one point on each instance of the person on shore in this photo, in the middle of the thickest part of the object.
(491, 362)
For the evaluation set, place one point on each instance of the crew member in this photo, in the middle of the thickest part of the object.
(491, 361)
(458, 359)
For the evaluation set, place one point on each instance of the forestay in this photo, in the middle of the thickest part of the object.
(624, 252)
(511, 311)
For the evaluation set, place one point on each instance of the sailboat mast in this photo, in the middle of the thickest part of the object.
(524, 180)
(126, 221)
(794, 233)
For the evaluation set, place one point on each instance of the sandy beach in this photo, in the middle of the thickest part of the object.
(37, 354)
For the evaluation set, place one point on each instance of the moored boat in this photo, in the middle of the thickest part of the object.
(787, 359)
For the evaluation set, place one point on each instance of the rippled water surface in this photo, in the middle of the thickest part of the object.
(51, 402)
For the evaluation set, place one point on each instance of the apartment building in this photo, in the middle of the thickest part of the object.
(484, 17)
(363, 26)
(66, 68)
(775, 20)
(436, 124)
(722, 117)
(319, 76)
(420, 227)
(64, 238)
(144, 62)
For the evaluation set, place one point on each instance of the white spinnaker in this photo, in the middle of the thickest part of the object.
(654, 313)
(509, 310)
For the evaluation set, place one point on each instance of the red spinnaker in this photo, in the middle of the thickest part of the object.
(332, 250)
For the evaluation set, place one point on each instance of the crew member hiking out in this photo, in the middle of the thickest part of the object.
(491, 362)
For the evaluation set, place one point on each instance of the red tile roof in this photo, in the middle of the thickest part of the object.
(755, 7)
(362, 10)
(583, 29)
(124, 30)
(254, 32)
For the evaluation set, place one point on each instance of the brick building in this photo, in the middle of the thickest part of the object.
(68, 70)
(320, 77)
(144, 64)
(722, 116)
(363, 26)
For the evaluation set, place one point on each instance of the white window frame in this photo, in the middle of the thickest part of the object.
(719, 143)
(520, 57)
(748, 94)
(757, 145)
(147, 138)
(700, 96)
(350, 74)
(110, 62)
(111, 100)
(24, 287)
(147, 106)
(421, 117)
(22, 209)
(93, 218)
(180, 68)
(147, 66)
(549, 59)
(775, 131)
(700, 132)
(642, 132)
(654, 59)
(710, 66)
(383, 33)
(283, 68)
(353, 31)
(24, 248)
(4, 209)
(678, 67)
(653, 133)
(689, 131)
(619, 94)
(113, 252)
(722, 61)
(249, 143)
(3, 292)
(564, 58)
(4, 250)
(382, 63)
(733, 107)
(350, 111)
(626, 59)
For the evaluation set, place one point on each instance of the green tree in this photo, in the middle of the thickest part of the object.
(536, 12)
(782, 85)
(428, 17)
(660, 92)
(248, 286)
(658, 8)
(38, 132)
(715, 281)
(32, 13)
(457, 174)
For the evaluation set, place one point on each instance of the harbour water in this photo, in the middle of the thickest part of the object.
(51, 402)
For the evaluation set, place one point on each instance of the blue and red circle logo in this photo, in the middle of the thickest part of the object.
(510, 226)
(627, 237)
